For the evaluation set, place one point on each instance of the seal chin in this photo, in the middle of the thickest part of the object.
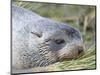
(74, 54)
(61, 58)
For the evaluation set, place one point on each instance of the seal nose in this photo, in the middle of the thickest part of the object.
(80, 50)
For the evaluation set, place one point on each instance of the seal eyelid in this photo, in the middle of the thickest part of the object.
(37, 34)
(59, 41)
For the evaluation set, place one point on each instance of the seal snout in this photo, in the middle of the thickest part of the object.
(80, 50)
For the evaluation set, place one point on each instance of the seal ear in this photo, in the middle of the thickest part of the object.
(37, 34)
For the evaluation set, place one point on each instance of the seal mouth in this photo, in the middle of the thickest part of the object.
(80, 55)
(72, 57)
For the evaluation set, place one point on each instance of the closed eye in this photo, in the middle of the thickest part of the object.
(59, 41)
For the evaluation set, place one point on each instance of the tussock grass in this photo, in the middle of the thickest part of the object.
(85, 62)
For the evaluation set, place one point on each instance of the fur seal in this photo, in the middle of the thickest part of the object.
(38, 41)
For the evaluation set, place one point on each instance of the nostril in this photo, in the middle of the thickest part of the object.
(80, 50)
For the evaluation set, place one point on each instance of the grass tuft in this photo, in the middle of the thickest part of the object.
(85, 62)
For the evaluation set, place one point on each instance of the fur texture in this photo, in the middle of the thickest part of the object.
(39, 41)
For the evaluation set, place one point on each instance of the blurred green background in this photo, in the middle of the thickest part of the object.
(82, 17)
